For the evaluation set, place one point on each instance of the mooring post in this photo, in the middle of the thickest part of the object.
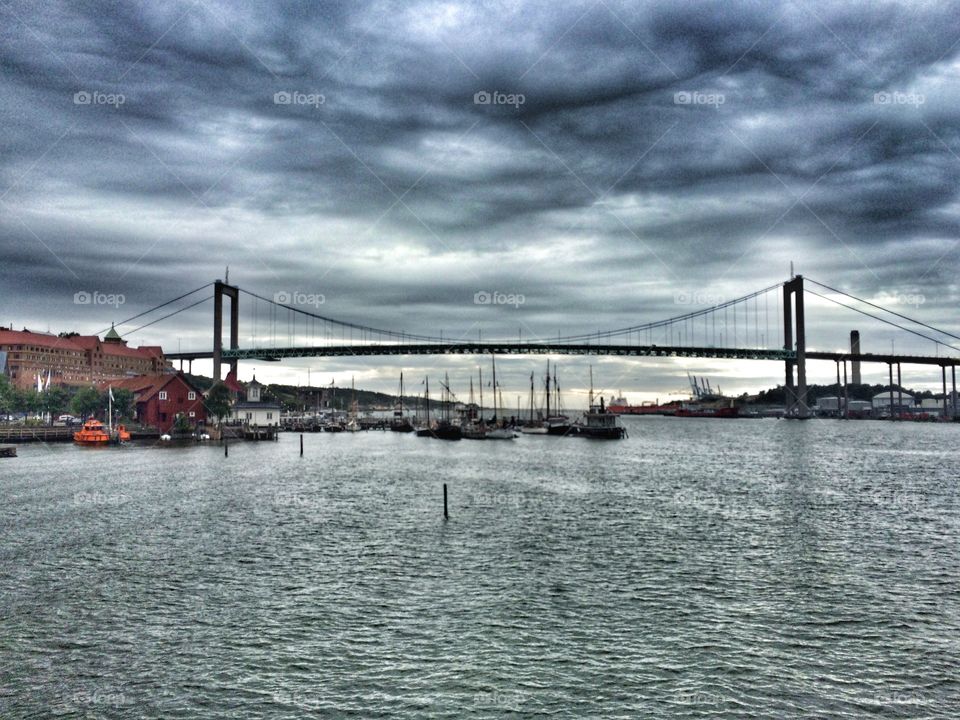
(226, 447)
(446, 515)
(301, 444)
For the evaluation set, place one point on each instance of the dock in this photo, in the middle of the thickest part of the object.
(8, 450)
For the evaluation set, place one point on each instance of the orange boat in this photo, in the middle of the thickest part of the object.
(92, 433)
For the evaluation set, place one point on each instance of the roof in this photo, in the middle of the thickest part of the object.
(231, 382)
(81, 343)
(25, 337)
(112, 334)
(145, 387)
(243, 405)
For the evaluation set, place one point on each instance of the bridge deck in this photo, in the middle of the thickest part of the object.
(507, 348)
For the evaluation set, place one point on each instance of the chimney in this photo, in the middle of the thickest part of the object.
(855, 350)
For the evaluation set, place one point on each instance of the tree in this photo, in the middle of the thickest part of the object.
(182, 424)
(7, 396)
(86, 402)
(218, 401)
(53, 401)
(123, 404)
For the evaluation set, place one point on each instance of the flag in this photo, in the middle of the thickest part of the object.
(110, 391)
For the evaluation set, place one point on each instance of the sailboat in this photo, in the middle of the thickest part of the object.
(557, 424)
(399, 423)
(473, 428)
(425, 430)
(446, 428)
(353, 424)
(533, 426)
(497, 432)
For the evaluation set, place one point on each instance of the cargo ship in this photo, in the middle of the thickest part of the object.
(704, 402)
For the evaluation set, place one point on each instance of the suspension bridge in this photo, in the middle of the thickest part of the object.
(769, 324)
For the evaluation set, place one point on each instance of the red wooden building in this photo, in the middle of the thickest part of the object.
(160, 398)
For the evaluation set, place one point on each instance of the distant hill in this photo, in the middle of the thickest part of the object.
(299, 397)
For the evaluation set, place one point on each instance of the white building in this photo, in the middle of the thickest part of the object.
(881, 401)
(253, 411)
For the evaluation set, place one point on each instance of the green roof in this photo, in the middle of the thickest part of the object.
(112, 334)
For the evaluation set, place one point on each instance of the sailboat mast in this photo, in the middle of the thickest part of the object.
(426, 395)
(548, 388)
(531, 397)
(493, 359)
(480, 375)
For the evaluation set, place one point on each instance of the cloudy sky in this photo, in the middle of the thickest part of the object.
(611, 162)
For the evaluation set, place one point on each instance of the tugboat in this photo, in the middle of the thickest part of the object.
(601, 424)
(598, 422)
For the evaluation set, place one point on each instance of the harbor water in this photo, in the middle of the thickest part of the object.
(699, 568)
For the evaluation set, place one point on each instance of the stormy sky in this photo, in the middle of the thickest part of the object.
(611, 162)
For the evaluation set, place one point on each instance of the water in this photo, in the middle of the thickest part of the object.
(700, 568)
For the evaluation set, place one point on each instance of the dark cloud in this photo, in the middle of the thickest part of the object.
(659, 149)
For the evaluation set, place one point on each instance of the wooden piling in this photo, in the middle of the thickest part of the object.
(301, 444)
(446, 515)
(226, 448)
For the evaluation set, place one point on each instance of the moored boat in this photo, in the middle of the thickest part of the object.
(92, 433)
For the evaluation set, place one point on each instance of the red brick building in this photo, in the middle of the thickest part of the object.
(160, 398)
(74, 360)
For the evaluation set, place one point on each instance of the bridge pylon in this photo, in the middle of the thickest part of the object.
(221, 289)
(793, 319)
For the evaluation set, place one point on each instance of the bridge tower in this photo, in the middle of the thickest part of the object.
(796, 394)
(221, 289)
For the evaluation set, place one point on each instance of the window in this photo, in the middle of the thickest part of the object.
(192, 414)
(163, 395)
(249, 416)
(269, 416)
(191, 395)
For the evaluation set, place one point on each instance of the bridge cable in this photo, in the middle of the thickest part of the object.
(883, 320)
(146, 312)
(175, 312)
(880, 307)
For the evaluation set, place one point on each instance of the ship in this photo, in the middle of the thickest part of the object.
(94, 433)
(707, 402)
(598, 422)
(704, 402)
